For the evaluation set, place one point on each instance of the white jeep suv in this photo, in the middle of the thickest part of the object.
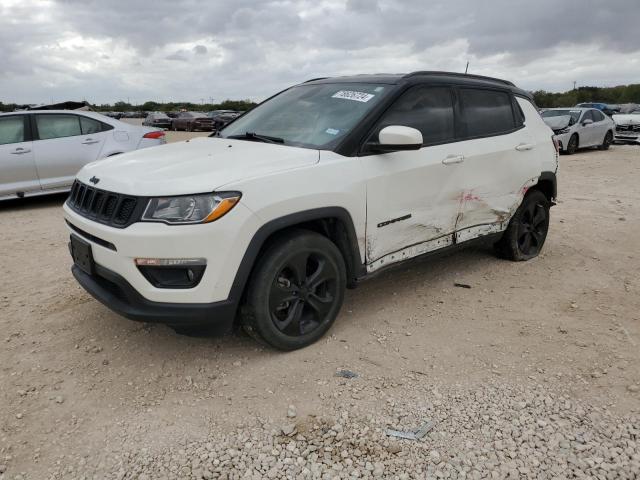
(265, 224)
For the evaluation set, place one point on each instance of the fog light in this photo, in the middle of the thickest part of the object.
(172, 272)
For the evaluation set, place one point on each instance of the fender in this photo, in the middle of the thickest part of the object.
(352, 255)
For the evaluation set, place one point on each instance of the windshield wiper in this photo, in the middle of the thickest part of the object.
(255, 136)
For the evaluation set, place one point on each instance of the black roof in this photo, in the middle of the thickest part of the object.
(426, 77)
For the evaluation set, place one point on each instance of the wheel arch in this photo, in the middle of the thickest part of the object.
(547, 184)
(333, 222)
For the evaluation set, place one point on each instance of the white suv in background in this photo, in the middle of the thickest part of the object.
(265, 224)
(41, 151)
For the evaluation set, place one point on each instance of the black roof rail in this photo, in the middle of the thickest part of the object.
(462, 75)
(314, 79)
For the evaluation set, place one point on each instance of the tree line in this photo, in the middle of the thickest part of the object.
(240, 105)
(612, 95)
(615, 95)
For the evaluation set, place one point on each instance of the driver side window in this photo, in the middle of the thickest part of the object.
(428, 109)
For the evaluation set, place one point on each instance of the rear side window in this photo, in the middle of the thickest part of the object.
(428, 109)
(11, 129)
(89, 125)
(57, 126)
(486, 112)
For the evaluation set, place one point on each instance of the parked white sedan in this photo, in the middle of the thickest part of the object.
(579, 128)
(628, 127)
(42, 150)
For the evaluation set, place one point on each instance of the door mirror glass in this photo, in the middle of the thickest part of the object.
(397, 137)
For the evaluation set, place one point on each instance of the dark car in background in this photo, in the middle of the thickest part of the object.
(605, 108)
(158, 120)
(222, 117)
(192, 121)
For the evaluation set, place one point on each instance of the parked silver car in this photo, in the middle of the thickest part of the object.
(42, 150)
(579, 128)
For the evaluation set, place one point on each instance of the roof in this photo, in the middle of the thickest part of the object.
(87, 113)
(419, 77)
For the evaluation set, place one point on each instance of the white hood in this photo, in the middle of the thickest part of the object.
(194, 166)
(627, 119)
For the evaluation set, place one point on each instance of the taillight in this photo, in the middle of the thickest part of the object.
(156, 134)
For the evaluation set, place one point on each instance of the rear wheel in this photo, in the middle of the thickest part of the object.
(296, 291)
(572, 145)
(608, 139)
(527, 230)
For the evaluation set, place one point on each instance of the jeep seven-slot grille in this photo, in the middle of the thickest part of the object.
(113, 209)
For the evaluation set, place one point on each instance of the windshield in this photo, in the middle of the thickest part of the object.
(310, 116)
(574, 114)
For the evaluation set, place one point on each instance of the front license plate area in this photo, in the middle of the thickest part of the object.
(82, 254)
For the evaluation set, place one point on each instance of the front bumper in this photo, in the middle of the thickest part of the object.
(563, 140)
(627, 137)
(116, 293)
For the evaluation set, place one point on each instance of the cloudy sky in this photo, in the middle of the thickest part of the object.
(190, 50)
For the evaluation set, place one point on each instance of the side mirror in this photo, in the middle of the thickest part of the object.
(397, 137)
(586, 122)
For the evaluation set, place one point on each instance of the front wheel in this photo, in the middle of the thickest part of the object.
(608, 139)
(296, 290)
(527, 231)
(572, 145)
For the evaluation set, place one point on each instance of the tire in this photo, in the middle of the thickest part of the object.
(608, 140)
(572, 144)
(527, 231)
(287, 306)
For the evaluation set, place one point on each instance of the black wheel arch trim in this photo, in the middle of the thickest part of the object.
(350, 248)
(550, 177)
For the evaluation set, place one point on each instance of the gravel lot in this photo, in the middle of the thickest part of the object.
(533, 372)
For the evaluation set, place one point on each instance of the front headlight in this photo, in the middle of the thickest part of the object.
(189, 209)
(564, 130)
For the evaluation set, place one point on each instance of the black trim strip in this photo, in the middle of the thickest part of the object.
(93, 238)
(394, 220)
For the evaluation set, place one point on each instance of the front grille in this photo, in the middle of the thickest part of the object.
(628, 128)
(113, 209)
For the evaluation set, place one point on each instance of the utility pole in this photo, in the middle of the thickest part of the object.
(466, 68)
(574, 84)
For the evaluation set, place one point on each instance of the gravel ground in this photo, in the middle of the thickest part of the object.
(533, 372)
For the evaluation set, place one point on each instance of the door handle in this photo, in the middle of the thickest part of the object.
(20, 151)
(453, 159)
(524, 147)
(90, 141)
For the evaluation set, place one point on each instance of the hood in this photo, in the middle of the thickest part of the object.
(194, 166)
(627, 119)
(557, 123)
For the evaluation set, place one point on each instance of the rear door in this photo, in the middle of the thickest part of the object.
(17, 166)
(61, 149)
(601, 126)
(499, 161)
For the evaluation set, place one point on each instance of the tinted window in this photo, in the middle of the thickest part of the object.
(89, 125)
(597, 115)
(587, 116)
(429, 110)
(11, 129)
(57, 126)
(486, 112)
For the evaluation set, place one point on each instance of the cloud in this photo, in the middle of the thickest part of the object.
(107, 50)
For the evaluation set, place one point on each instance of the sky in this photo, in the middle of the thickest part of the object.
(210, 50)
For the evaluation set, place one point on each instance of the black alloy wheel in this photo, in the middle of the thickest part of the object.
(527, 231)
(608, 140)
(572, 145)
(296, 290)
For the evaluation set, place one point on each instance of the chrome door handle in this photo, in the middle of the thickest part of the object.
(20, 151)
(524, 146)
(90, 141)
(453, 159)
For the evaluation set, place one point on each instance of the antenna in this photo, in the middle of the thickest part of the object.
(466, 68)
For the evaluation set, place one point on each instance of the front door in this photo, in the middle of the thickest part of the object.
(17, 166)
(412, 195)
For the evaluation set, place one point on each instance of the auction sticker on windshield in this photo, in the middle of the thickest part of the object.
(351, 95)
